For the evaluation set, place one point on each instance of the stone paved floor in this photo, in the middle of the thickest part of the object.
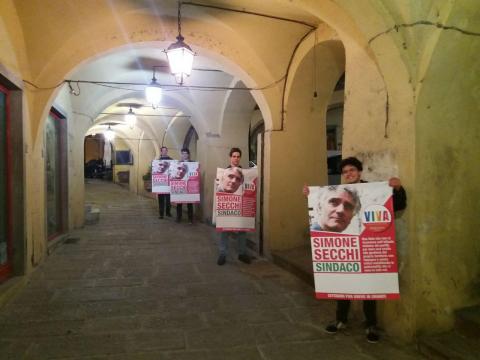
(136, 287)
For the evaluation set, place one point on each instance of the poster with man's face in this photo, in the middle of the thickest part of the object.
(235, 199)
(160, 176)
(184, 182)
(353, 241)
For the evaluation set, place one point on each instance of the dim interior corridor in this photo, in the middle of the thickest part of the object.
(137, 287)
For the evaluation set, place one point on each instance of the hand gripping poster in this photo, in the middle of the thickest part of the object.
(352, 234)
(160, 176)
(184, 182)
(235, 199)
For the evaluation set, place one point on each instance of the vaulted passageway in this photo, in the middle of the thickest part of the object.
(139, 287)
(409, 109)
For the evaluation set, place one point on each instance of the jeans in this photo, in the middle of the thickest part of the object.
(164, 203)
(369, 309)
(241, 238)
(189, 211)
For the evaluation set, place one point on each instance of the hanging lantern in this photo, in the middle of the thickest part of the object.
(109, 134)
(180, 55)
(130, 118)
(180, 58)
(153, 92)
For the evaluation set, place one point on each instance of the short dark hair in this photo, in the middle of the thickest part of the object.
(163, 147)
(185, 150)
(234, 150)
(353, 161)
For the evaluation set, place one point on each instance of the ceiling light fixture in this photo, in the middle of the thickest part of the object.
(130, 118)
(180, 55)
(153, 92)
(109, 134)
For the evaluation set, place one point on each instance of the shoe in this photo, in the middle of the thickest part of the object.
(178, 220)
(244, 258)
(372, 335)
(221, 260)
(335, 327)
(160, 217)
(169, 215)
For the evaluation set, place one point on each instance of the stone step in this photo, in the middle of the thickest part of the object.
(297, 261)
(467, 321)
(450, 346)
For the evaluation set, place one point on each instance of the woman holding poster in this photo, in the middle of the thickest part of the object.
(335, 211)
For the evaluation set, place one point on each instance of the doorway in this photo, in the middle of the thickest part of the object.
(5, 187)
(56, 173)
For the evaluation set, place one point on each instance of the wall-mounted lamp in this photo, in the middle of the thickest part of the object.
(153, 92)
(130, 118)
(109, 134)
(180, 55)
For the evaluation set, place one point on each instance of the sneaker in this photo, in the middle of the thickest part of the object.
(335, 327)
(244, 258)
(372, 335)
(221, 260)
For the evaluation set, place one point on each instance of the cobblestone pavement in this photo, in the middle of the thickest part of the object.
(137, 287)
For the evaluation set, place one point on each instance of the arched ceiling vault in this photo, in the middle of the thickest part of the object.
(124, 28)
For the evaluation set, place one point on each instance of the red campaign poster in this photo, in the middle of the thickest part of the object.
(160, 176)
(352, 234)
(184, 181)
(235, 199)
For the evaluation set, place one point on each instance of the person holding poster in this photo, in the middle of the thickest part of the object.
(164, 199)
(334, 214)
(180, 174)
(230, 183)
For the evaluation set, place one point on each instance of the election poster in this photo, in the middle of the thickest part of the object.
(235, 199)
(352, 234)
(160, 176)
(184, 182)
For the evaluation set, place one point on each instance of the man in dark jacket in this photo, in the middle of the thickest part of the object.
(164, 199)
(185, 156)
(241, 236)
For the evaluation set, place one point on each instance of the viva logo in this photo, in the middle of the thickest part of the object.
(376, 218)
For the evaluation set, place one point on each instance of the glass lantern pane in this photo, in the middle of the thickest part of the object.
(153, 94)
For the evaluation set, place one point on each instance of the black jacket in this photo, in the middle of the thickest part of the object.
(399, 198)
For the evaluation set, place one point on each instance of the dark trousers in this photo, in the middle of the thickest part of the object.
(189, 211)
(164, 204)
(369, 309)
